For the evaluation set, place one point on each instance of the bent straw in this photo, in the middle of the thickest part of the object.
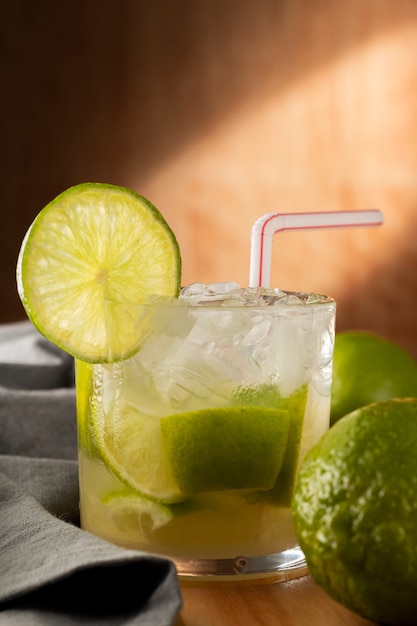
(266, 227)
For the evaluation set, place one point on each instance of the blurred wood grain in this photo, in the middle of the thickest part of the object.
(218, 116)
(296, 603)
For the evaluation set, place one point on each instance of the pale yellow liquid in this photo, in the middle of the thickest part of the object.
(220, 525)
(224, 527)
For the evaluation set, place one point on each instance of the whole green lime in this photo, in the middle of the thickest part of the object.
(369, 368)
(355, 511)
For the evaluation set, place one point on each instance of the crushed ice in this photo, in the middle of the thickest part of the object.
(231, 294)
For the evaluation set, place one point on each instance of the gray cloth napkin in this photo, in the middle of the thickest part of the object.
(51, 571)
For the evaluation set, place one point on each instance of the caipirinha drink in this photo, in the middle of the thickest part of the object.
(190, 447)
(195, 406)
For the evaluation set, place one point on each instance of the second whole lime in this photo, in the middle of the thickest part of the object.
(369, 368)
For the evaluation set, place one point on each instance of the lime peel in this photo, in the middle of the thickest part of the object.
(229, 448)
(295, 404)
(134, 513)
(131, 446)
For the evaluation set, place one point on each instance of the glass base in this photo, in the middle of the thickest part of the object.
(279, 567)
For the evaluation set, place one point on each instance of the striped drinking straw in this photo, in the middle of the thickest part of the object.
(265, 227)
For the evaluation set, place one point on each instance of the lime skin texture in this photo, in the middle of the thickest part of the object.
(355, 511)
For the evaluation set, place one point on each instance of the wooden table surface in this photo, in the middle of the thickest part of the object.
(298, 602)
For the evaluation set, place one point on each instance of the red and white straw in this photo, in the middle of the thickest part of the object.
(266, 227)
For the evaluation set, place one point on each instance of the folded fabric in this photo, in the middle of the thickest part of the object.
(51, 571)
(28, 361)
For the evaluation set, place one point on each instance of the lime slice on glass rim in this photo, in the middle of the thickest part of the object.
(88, 261)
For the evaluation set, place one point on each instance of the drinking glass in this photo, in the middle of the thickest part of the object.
(190, 447)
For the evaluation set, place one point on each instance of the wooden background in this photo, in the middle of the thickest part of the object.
(220, 111)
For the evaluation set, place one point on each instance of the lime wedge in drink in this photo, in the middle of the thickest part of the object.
(269, 395)
(133, 513)
(84, 387)
(235, 447)
(88, 261)
(131, 446)
(265, 394)
(87, 405)
(281, 493)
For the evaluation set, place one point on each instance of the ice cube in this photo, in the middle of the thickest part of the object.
(198, 293)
